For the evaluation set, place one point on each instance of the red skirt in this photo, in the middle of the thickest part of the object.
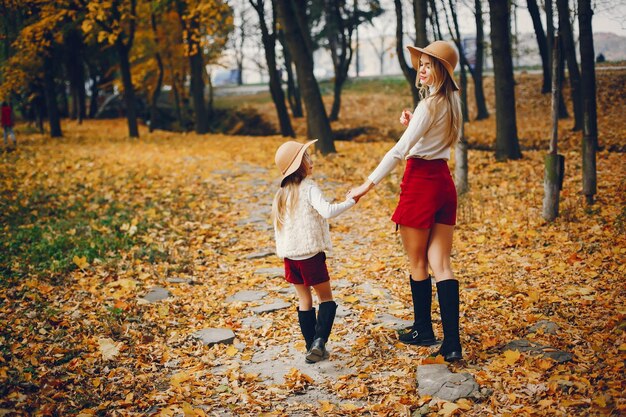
(427, 195)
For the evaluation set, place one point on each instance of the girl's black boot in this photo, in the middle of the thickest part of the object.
(307, 322)
(448, 292)
(421, 333)
(325, 319)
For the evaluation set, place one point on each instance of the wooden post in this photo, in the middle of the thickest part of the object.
(554, 162)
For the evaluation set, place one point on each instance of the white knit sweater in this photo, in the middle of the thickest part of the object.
(305, 232)
(425, 137)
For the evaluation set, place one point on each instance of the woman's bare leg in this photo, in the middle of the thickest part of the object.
(415, 242)
(439, 250)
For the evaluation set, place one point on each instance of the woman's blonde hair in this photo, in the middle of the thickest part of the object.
(286, 197)
(444, 94)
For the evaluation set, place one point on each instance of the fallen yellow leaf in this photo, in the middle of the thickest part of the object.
(448, 409)
(511, 356)
(232, 350)
(81, 262)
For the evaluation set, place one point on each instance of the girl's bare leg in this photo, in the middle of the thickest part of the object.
(305, 300)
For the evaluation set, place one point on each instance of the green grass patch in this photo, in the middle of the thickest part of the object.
(42, 236)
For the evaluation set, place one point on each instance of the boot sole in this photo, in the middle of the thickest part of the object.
(453, 357)
(429, 342)
(316, 355)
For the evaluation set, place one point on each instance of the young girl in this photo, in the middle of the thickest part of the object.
(426, 212)
(300, 214)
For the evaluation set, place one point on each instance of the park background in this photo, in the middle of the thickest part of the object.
(125, 243)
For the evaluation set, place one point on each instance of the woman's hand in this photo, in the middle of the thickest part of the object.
(360, 191)
(406, 116)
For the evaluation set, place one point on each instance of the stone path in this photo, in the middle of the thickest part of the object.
(273, 362)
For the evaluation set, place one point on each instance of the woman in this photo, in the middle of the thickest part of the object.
(426, 212)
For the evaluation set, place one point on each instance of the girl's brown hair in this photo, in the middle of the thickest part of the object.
(286, 197)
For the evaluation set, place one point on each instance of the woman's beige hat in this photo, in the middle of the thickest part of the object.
(289, 156)
(441, 50)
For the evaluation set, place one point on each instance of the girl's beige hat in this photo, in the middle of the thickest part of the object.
(441, 50)
(289, 156)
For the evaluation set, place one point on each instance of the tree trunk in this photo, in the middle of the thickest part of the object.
(479, 91)
(409, 73)
(154, 112)
(179, 114)
(51, 98)
(64, 108)
(550, 38)
(76, 74)
(507, 143)
(95, 90)
(338, 85)
(569, 52)
(293, 89)
(551, 169)
(434, 21)
(588, 83)
(420, 11)
(196, 68)
(296, 34)
(340, 45)
(456, 35)
(276, 90)
(460, 164)
(129, 90)
(533, 9)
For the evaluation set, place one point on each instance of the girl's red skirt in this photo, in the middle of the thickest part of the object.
(427, 195)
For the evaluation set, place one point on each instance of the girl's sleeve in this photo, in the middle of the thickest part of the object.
(326, 209)
(418, 126)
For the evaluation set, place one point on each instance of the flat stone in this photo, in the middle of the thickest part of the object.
(558, 356)
(247, 295)
(437, 381)
(392, 322)
(254, 322)
(213, 336)
(524, 345)
(266, 308)
(259, 255)
(545, 325)
(272, 272)
(341, 283)
(343, 311)
(368, 288)
(253, 219)
(176, 280)
(222, 172)
(156, 294)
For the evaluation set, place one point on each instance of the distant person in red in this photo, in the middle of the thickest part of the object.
(7, 123)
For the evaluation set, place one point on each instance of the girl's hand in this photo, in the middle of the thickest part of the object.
(360, 191)
(406, 116)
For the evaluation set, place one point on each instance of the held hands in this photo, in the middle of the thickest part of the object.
(360, 191)
(406, 116)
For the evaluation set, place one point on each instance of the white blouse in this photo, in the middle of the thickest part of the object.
(426, 137)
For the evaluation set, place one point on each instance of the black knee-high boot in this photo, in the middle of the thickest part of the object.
(421, 333)
(448, 292)
(307, 322)
(325, 319)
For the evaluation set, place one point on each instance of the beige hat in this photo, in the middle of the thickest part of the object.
(441, 50)
(289, 156)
